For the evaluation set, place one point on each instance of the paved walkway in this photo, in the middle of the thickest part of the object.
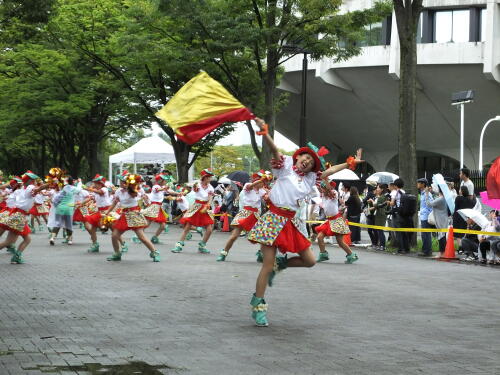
(71, 312)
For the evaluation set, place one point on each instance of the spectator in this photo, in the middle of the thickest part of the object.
(425, 211)
(491, 243)
(353, 213)
(369, 213)
(470, 243)
(441, 217)
(401, 221)
(465, 178)
(464, 200)
(379, 211)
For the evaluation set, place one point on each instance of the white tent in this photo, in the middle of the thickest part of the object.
(344, 174)
(150, 150)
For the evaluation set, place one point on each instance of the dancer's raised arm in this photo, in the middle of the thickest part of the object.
(265, 135)
(351, 163)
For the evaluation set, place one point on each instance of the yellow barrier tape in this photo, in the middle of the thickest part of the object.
(390, 229)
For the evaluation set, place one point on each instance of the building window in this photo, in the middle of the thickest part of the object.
(372, 35)
(482, 33)
(451, 26)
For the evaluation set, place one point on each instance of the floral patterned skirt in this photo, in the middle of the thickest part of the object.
(130, 218)
(39, 209)
(333, 226)
(246, 218)
(280, 228)
(197, 216)
(155, 212)
(15, 221)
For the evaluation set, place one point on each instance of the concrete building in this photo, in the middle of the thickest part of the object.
(354, 103)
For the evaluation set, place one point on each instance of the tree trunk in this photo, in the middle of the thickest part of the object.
(181, 151)
(93, 157)
(270, 115)
(407, 144)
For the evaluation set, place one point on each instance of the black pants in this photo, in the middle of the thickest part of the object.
(404, 237)
(370, 220)
(469, 246)
(355, 231)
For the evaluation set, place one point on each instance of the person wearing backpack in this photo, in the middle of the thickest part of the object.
(401, 204)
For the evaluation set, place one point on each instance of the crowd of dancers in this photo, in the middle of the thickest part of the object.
(59, 201)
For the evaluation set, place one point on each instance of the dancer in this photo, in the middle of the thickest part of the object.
(154, 212)
(100, 194)
(278, 228)
(65, 203)
(16, 222)
(39, 210)
(334, 225)
(251, 200)
(199, 215)
(130, 218)
(12, 189)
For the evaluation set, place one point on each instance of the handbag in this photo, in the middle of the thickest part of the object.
(431, 219)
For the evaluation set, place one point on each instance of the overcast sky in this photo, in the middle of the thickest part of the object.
(241, 137)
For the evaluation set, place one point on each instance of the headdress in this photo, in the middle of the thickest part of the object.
(206, 172)
(310, 151)
(28, 175)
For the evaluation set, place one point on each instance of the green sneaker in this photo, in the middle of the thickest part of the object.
(65, 240)
(202, 248)
(279, 265)
(178, 247)
(136, 239)
(351, 258)
(155, 240)
(11, 249)
(115, 257)
(259, 311)
(222, 256)
(199, 230)
(17, 258)
(167, 228)
(189, 236)
(94, 248)
(323, 256)
(124, 248)
(155, 255)
(259, 256)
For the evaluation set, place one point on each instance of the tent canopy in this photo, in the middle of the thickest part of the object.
(148, 150)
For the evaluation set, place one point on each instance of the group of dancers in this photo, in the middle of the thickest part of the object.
(129, 207)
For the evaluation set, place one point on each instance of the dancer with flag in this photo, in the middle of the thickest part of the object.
(279, 229)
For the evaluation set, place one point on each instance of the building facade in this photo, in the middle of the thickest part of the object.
(355, 103)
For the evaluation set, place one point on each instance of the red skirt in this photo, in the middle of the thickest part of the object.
(36, 212)
(95, 219)
(3, 206)
(155, 213)
(130, 219)
(248, 222)
(338, 224)
(269, 232)
(77, 216)
(198, 219)
(8, 223)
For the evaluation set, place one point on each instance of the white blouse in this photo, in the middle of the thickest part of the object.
(289, 187)
(203, 193)
(251, 197)
(126, 200)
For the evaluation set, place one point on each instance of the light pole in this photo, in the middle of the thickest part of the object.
(497, 118)
(461, 98)
(303, 92)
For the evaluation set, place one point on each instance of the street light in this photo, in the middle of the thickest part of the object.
(497, 118)
(303, 93)
(461, 98)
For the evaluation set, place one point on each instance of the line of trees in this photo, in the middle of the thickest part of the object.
(78, 77)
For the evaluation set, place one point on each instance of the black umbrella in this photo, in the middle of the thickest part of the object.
(240, 176)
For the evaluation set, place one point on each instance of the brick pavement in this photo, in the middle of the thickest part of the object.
(386, 314)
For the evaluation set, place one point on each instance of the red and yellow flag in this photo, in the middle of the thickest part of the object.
(200, 106)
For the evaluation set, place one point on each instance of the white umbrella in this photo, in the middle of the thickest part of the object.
(382, 177)
(224, 180)
(344, 174)
(438, 179)
(475, 216)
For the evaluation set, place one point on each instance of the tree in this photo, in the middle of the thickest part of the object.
(243, 42)
(407, 16)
